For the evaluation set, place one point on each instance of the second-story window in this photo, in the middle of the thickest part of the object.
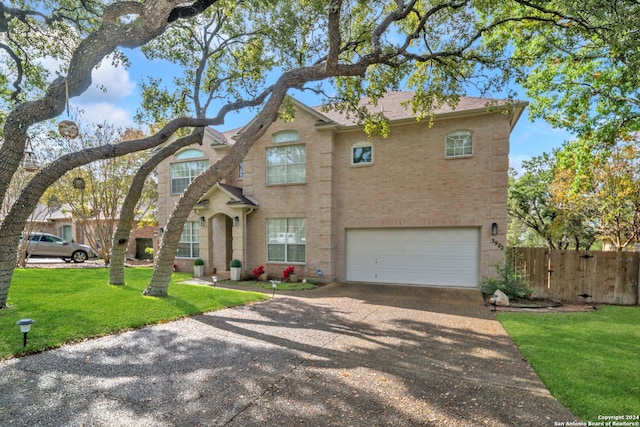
(362, 153)
(459, 144)
(286, 164)
(184, 172)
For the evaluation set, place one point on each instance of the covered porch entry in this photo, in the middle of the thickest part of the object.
(222, 216)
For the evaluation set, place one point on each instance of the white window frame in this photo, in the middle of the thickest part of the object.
(189, 245)
(66, 232)
(286, 240)
(189, 153)
(285, 136)
(185, 172)
(459, 144)
(358, 145)
(292, 171)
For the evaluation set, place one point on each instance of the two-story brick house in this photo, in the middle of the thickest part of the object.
(424, 206)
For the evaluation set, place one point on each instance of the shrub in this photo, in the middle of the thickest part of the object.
(509, 281)
(198, 261)
(235, 263)
(288, 271)
(258, 271)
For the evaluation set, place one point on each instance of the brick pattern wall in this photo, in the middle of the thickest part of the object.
(410, 184)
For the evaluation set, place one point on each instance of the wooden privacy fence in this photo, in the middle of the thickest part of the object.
(609, 277)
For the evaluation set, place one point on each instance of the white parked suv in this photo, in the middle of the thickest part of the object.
(45, 245)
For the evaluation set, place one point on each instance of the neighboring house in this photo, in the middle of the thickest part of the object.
(60, 222)
(424, 206)
(51, 220)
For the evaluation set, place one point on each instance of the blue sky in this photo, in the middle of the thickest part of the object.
(119, 102)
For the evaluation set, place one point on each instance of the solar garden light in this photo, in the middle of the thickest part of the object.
(274, 285)
(25, 327)
(215, 280)
(494, 302)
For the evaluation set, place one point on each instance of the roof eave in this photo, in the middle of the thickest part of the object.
(516, 108)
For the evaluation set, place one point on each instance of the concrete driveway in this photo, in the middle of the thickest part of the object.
(342, 355)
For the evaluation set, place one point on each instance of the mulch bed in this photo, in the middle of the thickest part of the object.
(541, 306)
(563, 308)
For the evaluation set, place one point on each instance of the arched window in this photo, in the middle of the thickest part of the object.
(286, 164)
(189, 153)
(286, 136)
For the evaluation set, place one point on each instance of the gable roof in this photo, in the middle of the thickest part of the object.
(235, 194)
(396, 106)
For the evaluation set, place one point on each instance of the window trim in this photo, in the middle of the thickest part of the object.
(190, 177)
(286, 165)
(285, 244)
(188, 154)
(240, 173)
(194, 243)
(361, 145)
(458, 134)
(285, 136)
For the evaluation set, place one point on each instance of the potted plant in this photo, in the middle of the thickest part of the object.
(235, 266)
(198, 267)
(289, 274)
(259, 273)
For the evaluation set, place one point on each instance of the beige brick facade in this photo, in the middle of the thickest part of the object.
(409, 184)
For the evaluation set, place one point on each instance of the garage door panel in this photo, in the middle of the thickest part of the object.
(425, 256)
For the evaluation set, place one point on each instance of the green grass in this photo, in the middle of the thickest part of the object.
(284, 286)
(73, 304)
(588, 361)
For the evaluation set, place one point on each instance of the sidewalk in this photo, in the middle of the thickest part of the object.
(343, 355)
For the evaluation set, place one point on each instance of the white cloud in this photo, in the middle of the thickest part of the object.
(96, 105)
(108, 84)
(104, 112)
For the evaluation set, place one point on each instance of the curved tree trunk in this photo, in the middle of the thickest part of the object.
(127, 213)
(116, 268)
(17, 217)
(152, 18)
(163, 266)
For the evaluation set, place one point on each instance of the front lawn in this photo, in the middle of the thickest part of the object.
(73, 304)
(589, 361)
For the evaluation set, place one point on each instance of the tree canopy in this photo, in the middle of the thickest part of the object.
(260, 51)
(583, 74)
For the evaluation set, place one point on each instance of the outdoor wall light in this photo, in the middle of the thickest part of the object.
(236, 221)
(201, 221)
(25, 327)
(494, 229)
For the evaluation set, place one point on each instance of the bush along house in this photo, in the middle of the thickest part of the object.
(424, 206)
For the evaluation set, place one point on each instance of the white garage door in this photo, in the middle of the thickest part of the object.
(416, 256)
